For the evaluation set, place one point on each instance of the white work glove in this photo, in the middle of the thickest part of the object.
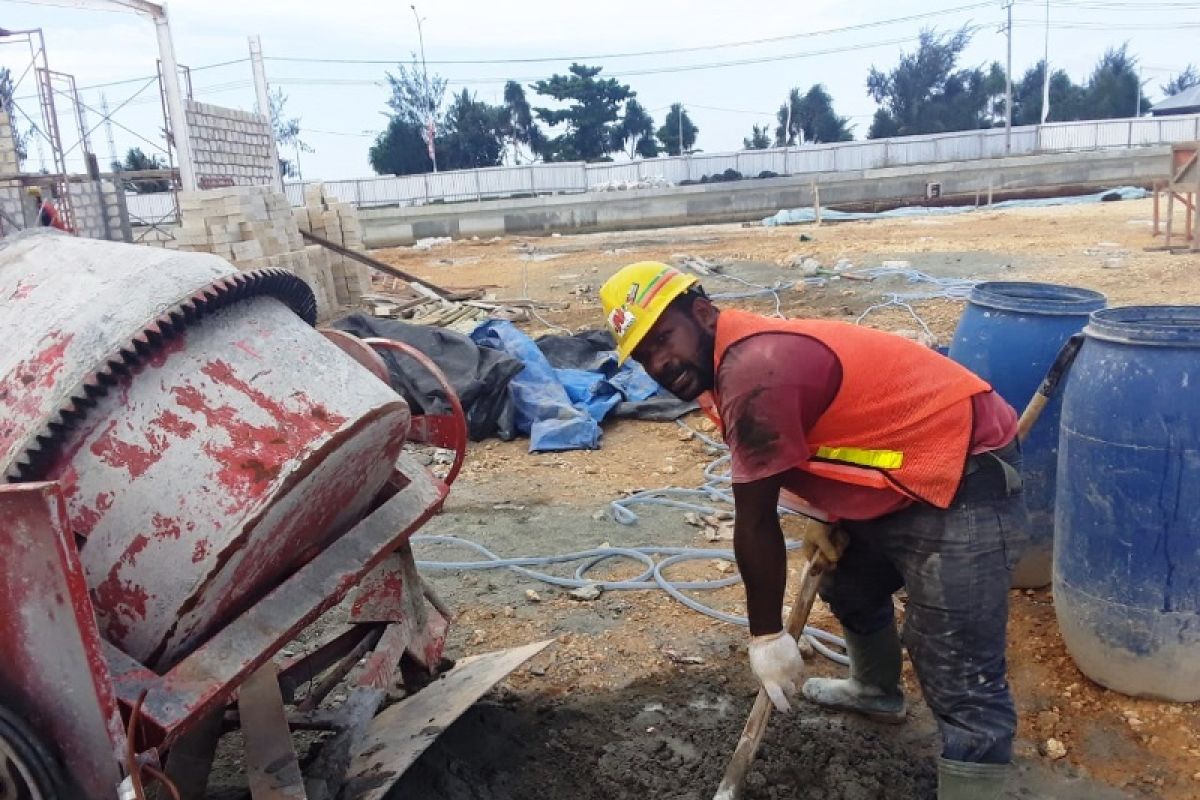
(775, 659)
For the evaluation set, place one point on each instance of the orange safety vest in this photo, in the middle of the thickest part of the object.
(53, 218)
(901, 419)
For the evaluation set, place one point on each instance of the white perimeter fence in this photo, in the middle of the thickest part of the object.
(574, 177)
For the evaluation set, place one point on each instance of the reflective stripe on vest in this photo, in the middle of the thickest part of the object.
(876, 459)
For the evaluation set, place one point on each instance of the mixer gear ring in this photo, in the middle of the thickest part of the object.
(278, 283)
(27, 770)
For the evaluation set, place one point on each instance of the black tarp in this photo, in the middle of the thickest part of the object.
(477, 374)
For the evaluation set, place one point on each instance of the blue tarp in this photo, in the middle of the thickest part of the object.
(797, 216)
(561, 409)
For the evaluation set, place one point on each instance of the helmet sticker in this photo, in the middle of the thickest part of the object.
(619, 320)
(634, 288)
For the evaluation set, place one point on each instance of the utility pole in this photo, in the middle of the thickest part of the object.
(1008, 84)
(263, 94)
(681, 129)
(1046, 69)
(429, 130)
(787, 128)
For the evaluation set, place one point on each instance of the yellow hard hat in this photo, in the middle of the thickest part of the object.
(635, 298)
(35, 191)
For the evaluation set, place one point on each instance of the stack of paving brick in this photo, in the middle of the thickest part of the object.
(337, 222)
(253, 228)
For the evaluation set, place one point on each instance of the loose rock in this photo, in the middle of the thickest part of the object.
(589, 592)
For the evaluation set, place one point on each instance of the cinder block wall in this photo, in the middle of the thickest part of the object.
(230, 147)
(10, 191)
(97, 210)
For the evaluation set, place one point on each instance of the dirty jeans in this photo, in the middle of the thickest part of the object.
(956, 565)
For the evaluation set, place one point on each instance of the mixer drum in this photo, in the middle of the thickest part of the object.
(208, 439)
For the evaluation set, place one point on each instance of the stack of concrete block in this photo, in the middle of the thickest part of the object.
(9, 163)
(337, 222)
(253, 228)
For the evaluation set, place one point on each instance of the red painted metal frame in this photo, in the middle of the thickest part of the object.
(207, 679)
(52, 668)
(448, 431)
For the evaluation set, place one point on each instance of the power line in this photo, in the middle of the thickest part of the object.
(307, 81)
(644, 53)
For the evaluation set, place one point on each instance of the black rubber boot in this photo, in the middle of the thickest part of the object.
(873, 688)
(964, 780)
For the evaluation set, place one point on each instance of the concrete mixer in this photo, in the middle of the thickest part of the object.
(194, 475)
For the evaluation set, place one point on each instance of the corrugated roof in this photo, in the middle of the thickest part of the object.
(1188, 98)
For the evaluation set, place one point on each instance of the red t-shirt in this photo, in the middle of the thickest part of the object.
(774, 386)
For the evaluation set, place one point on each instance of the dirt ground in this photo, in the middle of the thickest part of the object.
(640, 697)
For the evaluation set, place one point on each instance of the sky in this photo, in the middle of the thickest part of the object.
(772, 47)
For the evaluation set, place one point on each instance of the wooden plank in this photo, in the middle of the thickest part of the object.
(401, 733)
(271, 766)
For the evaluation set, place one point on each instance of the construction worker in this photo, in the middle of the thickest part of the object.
(914, 457)
(48, 216)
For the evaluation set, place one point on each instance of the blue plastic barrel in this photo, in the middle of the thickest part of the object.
(1127, 548)
(1009, 335)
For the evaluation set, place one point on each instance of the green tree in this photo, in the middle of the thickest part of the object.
(811, 114)
(287, 135)
(521, 130)
(136, 161)
(415, 96)
(926, 93)
(1113, 90)
(592, 108)
(635, 131)
(758, 139)
(20, 136)
(677, 122)
(1182, 82)
(473, 134)
(401, 149)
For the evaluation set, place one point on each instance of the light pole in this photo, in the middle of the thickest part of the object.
(1008, 85)
(429, 131)
(1046, 70)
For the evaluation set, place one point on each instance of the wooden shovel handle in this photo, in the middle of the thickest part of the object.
(733, 784)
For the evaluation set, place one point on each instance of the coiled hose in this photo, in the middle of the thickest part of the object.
(716, 489)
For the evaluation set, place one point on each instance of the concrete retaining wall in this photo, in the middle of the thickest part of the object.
(755, 199)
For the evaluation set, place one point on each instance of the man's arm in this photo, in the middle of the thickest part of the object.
(761, 556)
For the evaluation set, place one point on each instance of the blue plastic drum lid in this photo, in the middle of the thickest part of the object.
(1009, 335)
(1127, 549)
(1026, 297)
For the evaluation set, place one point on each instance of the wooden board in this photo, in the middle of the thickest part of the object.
(271, 766)
(401, 733)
